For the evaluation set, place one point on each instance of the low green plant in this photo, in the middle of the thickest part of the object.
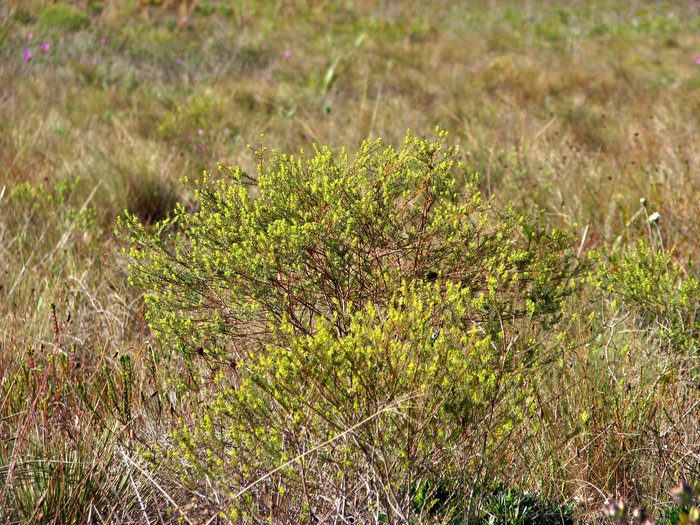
(374, 331)
(38, 200)
(657, 290)
(632, 372)
(515, 507)
(63, 17)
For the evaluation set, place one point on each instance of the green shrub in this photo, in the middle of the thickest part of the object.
(376, 331)
(632, 371)
(657, 290)
(63, 17)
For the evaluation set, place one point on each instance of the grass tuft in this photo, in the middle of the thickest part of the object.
(62, 17)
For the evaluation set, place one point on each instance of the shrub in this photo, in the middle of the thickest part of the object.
(657, 290)
(382, 331)
(634, 371)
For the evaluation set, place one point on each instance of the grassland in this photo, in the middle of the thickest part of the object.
(574, 109)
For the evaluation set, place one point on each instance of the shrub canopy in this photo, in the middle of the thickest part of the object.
(325, 236)
(386, 328)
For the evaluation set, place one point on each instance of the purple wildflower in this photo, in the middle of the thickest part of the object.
(287, 54)
(45, 46)
(27, 55)
(696, 59)
(200, 132)
(103, 40)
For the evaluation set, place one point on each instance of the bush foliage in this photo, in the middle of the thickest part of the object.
(383, 329)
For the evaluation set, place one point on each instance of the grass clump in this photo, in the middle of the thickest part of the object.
(515, 507)
(150, 198)
(62, 17)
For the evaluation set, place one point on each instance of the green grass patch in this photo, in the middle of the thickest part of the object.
(63, 17)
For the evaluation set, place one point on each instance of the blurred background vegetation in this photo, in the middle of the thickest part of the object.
(575, 109)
